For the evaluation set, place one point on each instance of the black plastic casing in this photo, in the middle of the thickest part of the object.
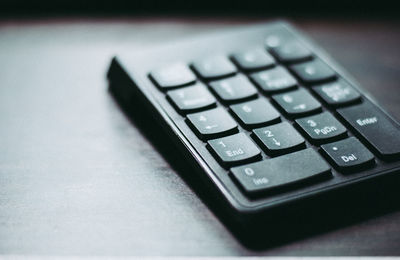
(270, 217)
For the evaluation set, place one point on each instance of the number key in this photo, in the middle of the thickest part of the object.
(255, 113)
(337, 93)
(313, 72)
(279, 139)
(212, 123)
(234, 149)
(322, 127)
(297, 103)
(274, 80)
(234, 89)
(191, 98)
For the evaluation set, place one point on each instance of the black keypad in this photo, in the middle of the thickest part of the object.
(212, 123)
(349, 155)
(291, 52)
(274, 80)
(281, 171)
(297, 103)
(255, 113)
(192, 98)
(322, 127)
(253, 59)
(234, 149)
(172, 76)
(234, 89)
(279, 139)
(214, 67)
(313, 72)
(337, 93)
(267, 125)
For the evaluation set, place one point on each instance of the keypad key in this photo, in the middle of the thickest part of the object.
(279, 139)
(374, 127)
(253, 59)
(337, 93)
(322, 127)
(297, 103)
(233, 89)
(175, 75)
(214, 67)
(212, 123)
(313, 72)
(281, 171)
(348, 155)
(234, 149)
(189, 99)
(291, 52)
(274, 80)
(255, 113)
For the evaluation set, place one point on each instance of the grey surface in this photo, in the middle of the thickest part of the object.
(77, 178)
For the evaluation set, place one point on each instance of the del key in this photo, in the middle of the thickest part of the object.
(382, 133)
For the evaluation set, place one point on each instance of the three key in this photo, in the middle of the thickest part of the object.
(322, 127)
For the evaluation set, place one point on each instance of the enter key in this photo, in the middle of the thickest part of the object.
(375, 128)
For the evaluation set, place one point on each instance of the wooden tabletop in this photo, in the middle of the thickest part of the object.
(77, 177)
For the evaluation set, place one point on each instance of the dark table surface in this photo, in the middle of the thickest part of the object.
(78, 178)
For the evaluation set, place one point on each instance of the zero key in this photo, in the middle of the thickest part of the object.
(375, 128)
(280, 171)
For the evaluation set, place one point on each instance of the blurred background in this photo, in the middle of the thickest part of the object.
(315, 8)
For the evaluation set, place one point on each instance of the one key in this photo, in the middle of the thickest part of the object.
(291, 52)
(375, 128)
(233, 89)
(305, 165)
(212, 123)
(214, 67)
(349, 155)
(255, 113)
(173, 76)
(337, 93)
(297, 103)
(313, 72)
(253, 59)
(234, 149)
(189, 99)
(279, 139)
(322, 127)
(274, 80)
